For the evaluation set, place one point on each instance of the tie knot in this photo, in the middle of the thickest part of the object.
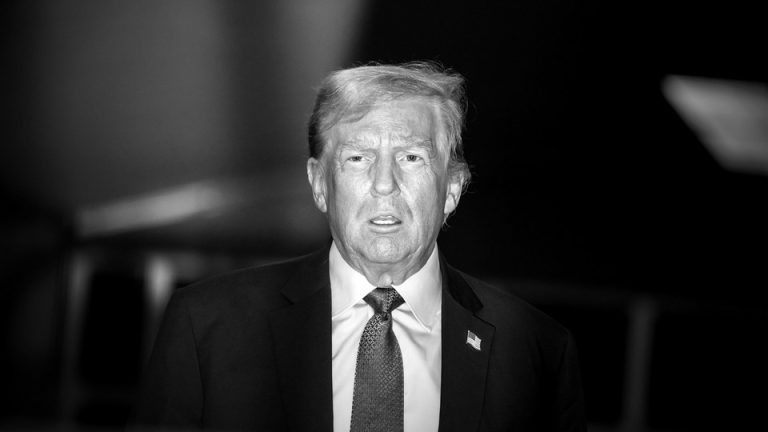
(383, 300)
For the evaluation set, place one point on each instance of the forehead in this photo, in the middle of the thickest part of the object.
(412, 120)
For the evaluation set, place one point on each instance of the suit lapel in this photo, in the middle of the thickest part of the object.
(302, 344)
(464, 366)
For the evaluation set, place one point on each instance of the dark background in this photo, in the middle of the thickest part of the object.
(589, 192)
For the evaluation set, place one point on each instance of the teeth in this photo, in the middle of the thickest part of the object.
(385, 220)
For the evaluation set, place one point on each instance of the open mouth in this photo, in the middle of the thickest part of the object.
(385, 221)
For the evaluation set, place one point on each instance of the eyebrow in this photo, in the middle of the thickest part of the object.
(359, 143)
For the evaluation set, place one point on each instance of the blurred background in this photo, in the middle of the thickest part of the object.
(619, 152)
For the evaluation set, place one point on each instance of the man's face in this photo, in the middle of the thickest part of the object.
(384, 183)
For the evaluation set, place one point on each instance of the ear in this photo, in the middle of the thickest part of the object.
(453, 193)
(316, 176)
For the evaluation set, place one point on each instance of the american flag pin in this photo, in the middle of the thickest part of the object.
(473, 340)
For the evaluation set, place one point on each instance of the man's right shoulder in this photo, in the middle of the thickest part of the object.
(259, 287)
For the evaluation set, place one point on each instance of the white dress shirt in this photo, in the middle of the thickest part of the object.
(417, 326)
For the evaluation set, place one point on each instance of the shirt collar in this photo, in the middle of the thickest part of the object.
(421, 292)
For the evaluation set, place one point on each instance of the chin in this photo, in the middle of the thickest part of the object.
(385, 250)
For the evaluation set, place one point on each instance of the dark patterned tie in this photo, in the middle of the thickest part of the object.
(377, 404)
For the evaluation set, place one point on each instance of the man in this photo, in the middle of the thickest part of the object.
(375, 331)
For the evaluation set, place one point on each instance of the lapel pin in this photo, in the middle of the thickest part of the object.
(473, 340)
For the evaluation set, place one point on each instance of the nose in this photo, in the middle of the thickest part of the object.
(385, 177)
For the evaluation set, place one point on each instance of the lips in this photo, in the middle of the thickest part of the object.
(386, 220)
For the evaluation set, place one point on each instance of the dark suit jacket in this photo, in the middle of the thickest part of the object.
(251, 350)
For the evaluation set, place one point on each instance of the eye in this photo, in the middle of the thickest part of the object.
(355, 158)
(412, 158)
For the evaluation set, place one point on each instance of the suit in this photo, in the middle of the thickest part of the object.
(251, 350)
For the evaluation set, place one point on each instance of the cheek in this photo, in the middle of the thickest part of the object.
(348, 197)
(427, 199)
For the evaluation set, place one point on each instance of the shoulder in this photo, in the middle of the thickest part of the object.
(509, 313)
(256, 288)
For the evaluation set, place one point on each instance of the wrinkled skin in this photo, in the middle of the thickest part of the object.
(384, 184)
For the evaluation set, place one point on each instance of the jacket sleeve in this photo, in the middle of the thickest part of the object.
(567, 409)
(172, 391)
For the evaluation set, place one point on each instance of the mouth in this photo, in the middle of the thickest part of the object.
(385, 221)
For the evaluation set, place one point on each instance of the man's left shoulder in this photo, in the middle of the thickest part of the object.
(509, 313)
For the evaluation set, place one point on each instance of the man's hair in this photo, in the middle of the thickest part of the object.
(351, 93)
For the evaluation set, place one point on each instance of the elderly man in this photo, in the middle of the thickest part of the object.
(375, 332)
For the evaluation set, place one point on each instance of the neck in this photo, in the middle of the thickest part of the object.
(385, 277)
(388, 274)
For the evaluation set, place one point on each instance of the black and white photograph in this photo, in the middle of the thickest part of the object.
(384, 216)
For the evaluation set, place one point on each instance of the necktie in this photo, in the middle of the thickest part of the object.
(377, 403)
